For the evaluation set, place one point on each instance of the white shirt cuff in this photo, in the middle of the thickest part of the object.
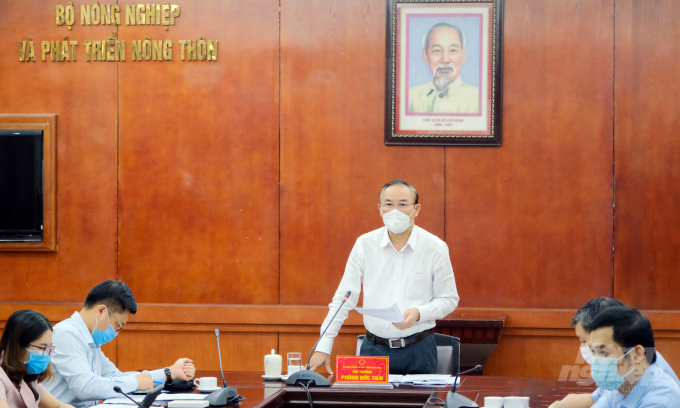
(425, 313)
(129, 383)
(325, 345)
(158, 376)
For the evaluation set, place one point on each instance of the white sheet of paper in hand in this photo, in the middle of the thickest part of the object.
(391, 314)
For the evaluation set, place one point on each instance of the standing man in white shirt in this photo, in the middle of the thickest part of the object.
(83, 374)
(403, 264)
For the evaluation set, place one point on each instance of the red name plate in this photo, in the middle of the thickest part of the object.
(371, 370)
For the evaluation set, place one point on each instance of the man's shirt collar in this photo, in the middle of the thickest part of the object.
(82, 329)
(652, 374)
(412, 239)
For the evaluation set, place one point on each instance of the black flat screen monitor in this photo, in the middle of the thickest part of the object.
(21, 185)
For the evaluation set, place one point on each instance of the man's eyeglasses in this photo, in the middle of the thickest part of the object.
(120, 326)
(392, 206)
(42, 350)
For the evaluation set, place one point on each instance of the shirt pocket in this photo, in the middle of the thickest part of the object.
(421, 284)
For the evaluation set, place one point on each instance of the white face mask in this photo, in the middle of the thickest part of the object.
(396, 221)
(587, 354)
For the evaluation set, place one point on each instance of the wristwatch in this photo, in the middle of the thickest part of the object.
(168, 376)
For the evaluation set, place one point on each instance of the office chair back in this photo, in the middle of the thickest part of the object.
(448, 353)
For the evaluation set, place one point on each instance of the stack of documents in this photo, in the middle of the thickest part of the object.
(157, 403)
(184, 397)
(125, 401)
(424, 379)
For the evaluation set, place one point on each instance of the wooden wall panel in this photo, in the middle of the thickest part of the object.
(333, 160)
(647, 154)
(156, 349)
(199, 161)
(529, 356)
(83, 95)
(529, 224)
(668, 345)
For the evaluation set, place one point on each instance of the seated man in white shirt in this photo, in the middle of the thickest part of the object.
(403, 264)
(581, 323)
(83, 374)
(624, 362)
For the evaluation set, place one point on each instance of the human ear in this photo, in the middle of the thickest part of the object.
(639, 354)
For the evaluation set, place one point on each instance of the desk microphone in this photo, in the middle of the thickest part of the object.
(313, 378)
(219, 354)
(227, 395)
(119, 391)
(454, 400)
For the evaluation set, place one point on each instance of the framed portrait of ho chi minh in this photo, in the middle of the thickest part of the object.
(444, 71)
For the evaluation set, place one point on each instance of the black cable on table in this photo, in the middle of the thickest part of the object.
(309, 396)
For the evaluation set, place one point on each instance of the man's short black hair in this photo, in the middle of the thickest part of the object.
(587, 312)
(402, 182)
(630, 328)
(116, 295)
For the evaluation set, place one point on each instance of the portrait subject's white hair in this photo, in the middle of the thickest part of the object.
(426, 38)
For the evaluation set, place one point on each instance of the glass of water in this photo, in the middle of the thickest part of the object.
(294, 362)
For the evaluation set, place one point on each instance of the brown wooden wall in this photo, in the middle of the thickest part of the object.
(229, 194)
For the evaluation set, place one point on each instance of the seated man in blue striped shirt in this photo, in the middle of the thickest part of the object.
(83, 374)
(624, 362)
(581, 323)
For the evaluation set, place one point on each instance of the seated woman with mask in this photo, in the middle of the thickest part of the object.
(25, 350)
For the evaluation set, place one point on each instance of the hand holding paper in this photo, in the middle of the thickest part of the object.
(391, 314)
(410, 317)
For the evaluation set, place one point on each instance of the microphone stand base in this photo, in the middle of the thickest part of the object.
(310, 377)
(225, 396)
(455, 400)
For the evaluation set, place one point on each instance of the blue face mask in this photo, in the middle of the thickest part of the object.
(37, 363)
(605, 372)
(101, 338)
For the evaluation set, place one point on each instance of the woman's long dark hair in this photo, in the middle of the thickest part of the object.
(23, 327)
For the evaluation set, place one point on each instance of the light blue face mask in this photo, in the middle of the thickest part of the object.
(37, 363)
(101, 338)
(605, 372)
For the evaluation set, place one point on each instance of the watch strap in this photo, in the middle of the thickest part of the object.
(168, 375)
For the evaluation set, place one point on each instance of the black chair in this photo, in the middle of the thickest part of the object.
(448, 353)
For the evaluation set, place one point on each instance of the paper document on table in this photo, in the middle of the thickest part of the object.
(391, 314)
(174, 397)
(125, 401)
(429, 379)
(395, 378)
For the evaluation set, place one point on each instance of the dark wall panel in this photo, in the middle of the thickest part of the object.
(530, 224)
(83, 95)
(199, 160)
(647, 154)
